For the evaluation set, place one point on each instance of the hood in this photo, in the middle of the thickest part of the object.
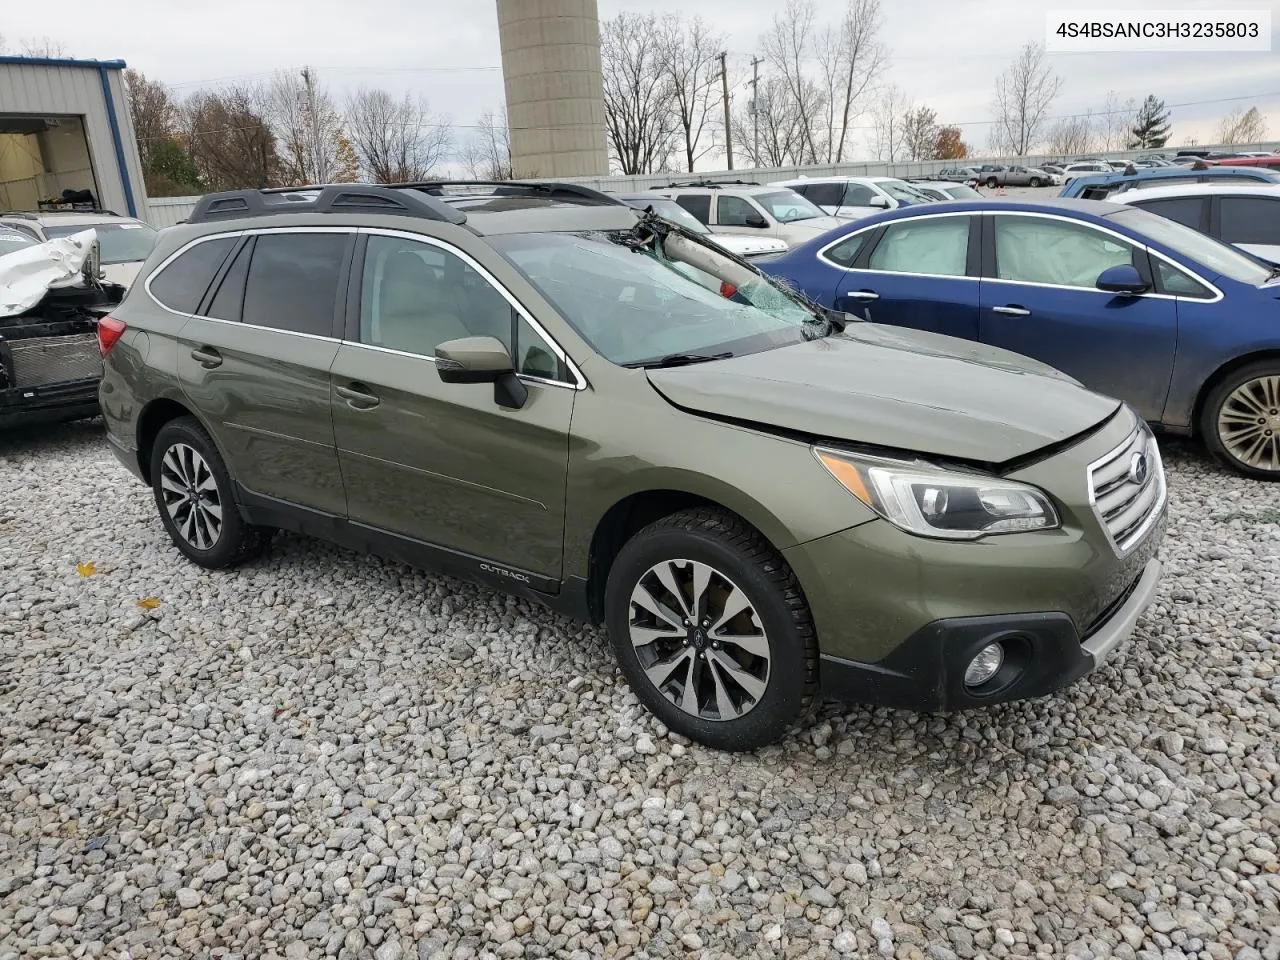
(896, 388)
(745, 246)
(27, 275)
(122, 273)
(808, 229)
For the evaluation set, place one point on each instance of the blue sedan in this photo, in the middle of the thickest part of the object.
(1183, 328)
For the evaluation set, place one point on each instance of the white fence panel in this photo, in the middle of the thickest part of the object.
(166, 211)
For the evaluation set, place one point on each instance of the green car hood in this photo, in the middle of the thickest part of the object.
(897, 388)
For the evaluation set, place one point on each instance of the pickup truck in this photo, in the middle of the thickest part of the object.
(1005, 175)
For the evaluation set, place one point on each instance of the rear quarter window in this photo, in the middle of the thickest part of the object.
(182, 284)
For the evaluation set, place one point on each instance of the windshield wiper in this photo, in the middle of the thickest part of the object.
(678, 360)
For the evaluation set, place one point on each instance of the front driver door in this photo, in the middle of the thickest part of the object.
(1039, 298)
(919, 274)
(444, 464)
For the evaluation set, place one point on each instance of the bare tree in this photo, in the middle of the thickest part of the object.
(1071, 136)
(1242, 126)
(887, 119)
(850, 57)
(396, 140)
(1024, 93)
(37, 47)
(920, 133)
(229, 139)
(639, 113)
(307, 125)
(1115, 121)
(791, 42)
(687, 58)
(487, 152)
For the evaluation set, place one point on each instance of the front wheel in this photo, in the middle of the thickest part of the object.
(193, 492)
(712, 631)
(1241, 420)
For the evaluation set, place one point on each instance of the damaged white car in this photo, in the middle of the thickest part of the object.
(52, 298)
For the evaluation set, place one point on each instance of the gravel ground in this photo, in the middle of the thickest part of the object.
(331, 755)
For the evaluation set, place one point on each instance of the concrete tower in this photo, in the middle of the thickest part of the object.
(555, 95)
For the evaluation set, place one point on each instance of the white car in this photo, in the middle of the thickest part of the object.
(751, 209)
(744, 245)
(946, 190)
(1246, 216)
(852, 198)
(124, 241)
(1087, 169)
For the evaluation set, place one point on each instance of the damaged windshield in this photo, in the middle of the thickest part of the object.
(637, 305)
(12, 241)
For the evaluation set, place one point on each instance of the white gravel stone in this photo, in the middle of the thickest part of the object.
(408, 765)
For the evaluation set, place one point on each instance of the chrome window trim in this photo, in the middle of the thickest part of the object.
(1119, 236)
(1157, 508)
(564, 385)
(875, 226)
(579, 381)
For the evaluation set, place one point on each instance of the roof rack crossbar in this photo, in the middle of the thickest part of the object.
(330, 198)
(550, 190)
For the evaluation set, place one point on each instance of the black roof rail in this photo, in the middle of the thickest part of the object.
(715, 183)
(329, 198)
(549, 190)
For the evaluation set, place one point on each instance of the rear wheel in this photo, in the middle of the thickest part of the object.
(992, 183)
(1241, 420)
(193, 492)
(711, 630)
(1037, 182)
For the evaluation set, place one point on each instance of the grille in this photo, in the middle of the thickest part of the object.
(45, 360)
(1126, 497)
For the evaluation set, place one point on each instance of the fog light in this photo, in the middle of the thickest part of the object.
(984, 666)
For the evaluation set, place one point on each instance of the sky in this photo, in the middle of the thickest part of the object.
(943, 53)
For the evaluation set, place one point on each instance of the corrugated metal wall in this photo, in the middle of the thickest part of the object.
(167, 211)
(76, 90)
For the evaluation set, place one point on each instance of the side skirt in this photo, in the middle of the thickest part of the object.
(569, 598)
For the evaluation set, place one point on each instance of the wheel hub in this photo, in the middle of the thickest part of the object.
(1249, 423)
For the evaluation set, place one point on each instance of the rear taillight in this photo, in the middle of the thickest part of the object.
(110, 330)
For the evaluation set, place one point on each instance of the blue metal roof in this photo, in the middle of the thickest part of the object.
(62, 62)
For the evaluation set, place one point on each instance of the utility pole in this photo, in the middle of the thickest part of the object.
(313, 137)
(728, 133)
(755, 108)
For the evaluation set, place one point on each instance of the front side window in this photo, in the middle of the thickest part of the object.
(637, 306)
(1058, 252)
(292, 284)
(1178, 283)
(858, 195)
(787, 206)
(182, 284)
(937, 245)
(125, 242)
(415, 296)
(735, 212)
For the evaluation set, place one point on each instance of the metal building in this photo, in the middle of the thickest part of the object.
(555, 92)
(65, 126)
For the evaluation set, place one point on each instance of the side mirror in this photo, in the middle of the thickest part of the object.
(879, 201)
(757, 221)
(1122, 278)
(482, 360)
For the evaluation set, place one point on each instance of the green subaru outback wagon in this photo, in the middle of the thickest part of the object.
(537, 386)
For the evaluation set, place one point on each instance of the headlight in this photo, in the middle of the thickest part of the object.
(933, 502)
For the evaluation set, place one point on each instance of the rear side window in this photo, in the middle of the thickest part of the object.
(1250, 220)
(1185, 210)
(846, 251)
(229, 300)
(699, 204)
(824, 194)
(182, 284)
(293, 281)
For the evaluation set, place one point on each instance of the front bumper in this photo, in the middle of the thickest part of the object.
(1043, 653)
(27, 406)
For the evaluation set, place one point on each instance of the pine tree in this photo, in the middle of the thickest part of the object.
(1151, 129)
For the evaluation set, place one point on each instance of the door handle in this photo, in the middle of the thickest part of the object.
(357, 397)
(1013, 311)
(862, 295)
(207, 357)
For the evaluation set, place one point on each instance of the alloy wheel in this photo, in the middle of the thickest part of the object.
(1249, 423)
(699, 639)
(191, 496)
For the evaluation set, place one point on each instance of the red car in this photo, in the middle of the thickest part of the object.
(1268, 162)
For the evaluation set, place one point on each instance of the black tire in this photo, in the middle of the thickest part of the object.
(1213, 405)
(1037, 182)
(236, 541)
(992, 183)
(738, 552)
